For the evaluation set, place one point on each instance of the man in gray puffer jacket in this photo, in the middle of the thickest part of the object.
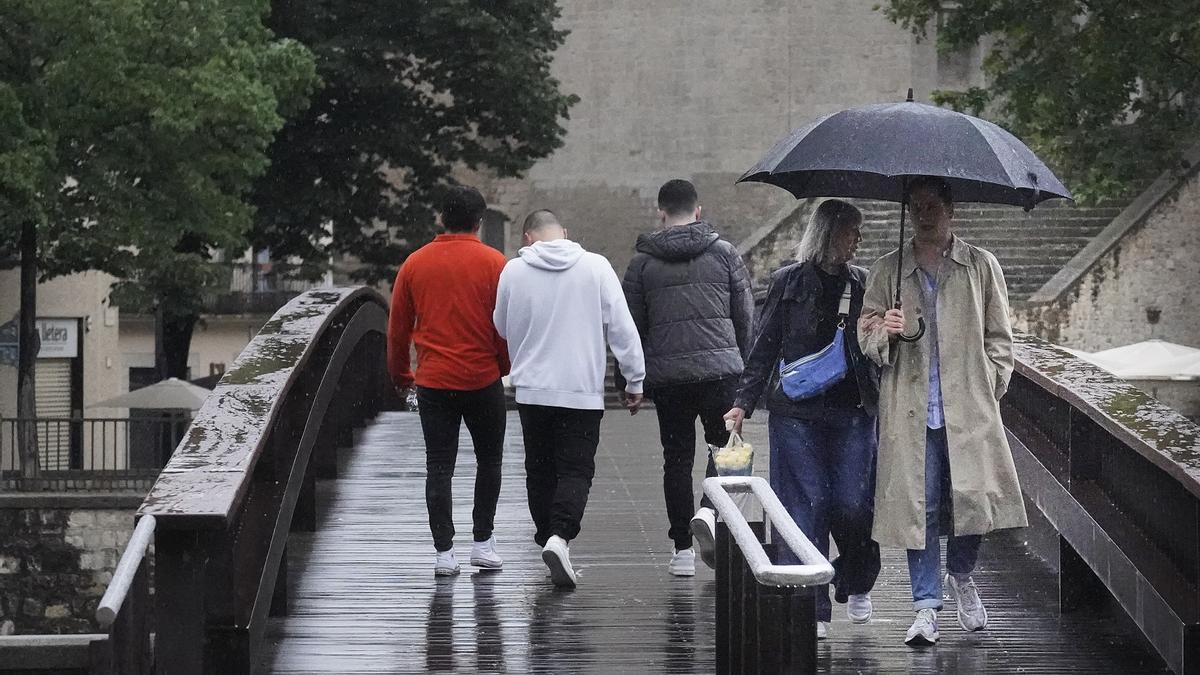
(689, 293)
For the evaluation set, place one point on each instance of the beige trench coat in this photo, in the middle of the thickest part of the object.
(976, 362)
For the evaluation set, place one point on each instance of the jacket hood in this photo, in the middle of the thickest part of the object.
(555, 256)
(683, 242)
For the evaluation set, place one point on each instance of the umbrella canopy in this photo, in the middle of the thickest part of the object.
(870, 151)
(1189, 371)
(169, 394)
(1149, 360)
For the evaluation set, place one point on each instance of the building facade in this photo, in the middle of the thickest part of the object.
(700, 91)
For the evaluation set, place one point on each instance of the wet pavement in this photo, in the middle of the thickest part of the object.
(363, 597)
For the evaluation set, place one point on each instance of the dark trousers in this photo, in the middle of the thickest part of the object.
(560, 461)
(678, 406)
(824, 473)
(442, 412)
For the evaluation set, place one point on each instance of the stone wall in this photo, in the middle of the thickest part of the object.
(700, 91)
(1144, 286)
(57, 556)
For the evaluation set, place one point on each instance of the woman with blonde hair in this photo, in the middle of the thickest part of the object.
(822, 403)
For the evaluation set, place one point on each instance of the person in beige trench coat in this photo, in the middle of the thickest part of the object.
(943, 455)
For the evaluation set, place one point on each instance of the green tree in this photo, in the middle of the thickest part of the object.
(411, 91)
(130, 131)
(1107, 91)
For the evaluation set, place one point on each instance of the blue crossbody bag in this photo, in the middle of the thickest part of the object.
(816, 373)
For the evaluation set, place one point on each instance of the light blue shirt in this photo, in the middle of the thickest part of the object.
(935, 417)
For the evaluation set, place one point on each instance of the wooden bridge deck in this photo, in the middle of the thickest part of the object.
(363, 598)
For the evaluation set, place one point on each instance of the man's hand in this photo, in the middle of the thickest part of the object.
(735, 415)
(893, 322)
(407, 395)
(632, 402)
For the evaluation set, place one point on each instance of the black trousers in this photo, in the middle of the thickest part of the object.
(442, 412)
(678, 406)
(560, 461)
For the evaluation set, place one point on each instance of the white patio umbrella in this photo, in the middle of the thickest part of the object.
(1148, 360)
(1190, 370)
(169, 394)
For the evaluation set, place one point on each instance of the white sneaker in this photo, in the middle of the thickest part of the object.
(924, 630)
(683, 563)
(483, 554)
(859, 608)
(971, 614)
(445, 565)
(704, 529)
(822, 630)
(558, 559)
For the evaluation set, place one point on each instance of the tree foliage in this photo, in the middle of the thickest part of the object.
(411, 91)
(1107, 91)
(126, 125)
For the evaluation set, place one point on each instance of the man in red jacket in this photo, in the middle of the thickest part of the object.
(442, 301)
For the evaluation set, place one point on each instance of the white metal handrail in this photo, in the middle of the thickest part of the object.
(127, 568)
(815, 569)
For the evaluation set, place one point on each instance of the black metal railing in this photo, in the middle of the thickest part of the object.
(93, 453)
(239, 288)
(766, 613)
(252, 288)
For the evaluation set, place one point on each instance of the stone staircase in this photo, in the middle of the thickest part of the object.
(1031, 246)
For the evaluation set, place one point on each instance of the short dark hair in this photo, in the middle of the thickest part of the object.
(935, 184)
(538, 219)
(462, 209)
(677, 197)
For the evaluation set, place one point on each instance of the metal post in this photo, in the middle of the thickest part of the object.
(736, 599)
(179, 563)
(750, 643)
(279, 598)
(1078, 585)
(723, 546)
(304, 518)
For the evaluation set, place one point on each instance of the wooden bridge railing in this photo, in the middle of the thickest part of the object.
(242, 478)
(1117, 475)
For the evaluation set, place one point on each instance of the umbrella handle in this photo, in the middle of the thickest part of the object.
(917, 336)
(920, 327)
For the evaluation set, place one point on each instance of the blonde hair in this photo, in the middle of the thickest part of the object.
(817, 241)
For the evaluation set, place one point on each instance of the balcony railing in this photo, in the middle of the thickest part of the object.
(243, 288)
(252, 288)
(89, 453)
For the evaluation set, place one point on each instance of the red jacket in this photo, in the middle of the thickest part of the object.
(443, 299)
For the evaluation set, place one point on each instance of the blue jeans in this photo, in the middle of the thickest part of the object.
(924, 565)
(824, 474)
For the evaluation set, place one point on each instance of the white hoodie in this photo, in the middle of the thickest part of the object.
(555, 304)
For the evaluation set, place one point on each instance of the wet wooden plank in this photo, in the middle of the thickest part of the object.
(364, 598)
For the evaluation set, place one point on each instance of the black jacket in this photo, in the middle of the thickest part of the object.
(794, 323)
(689, 293)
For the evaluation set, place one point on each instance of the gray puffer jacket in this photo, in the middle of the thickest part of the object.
(689, 293)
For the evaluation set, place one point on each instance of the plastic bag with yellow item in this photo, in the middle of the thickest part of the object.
(735, 459)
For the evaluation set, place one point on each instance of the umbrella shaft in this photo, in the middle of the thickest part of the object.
(900, 251)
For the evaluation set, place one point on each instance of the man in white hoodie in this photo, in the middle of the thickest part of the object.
(555, 305)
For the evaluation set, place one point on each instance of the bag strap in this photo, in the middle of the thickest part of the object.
(844, 307)
(735, 440)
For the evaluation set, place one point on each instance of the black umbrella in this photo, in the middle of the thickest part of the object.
(872, 151)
